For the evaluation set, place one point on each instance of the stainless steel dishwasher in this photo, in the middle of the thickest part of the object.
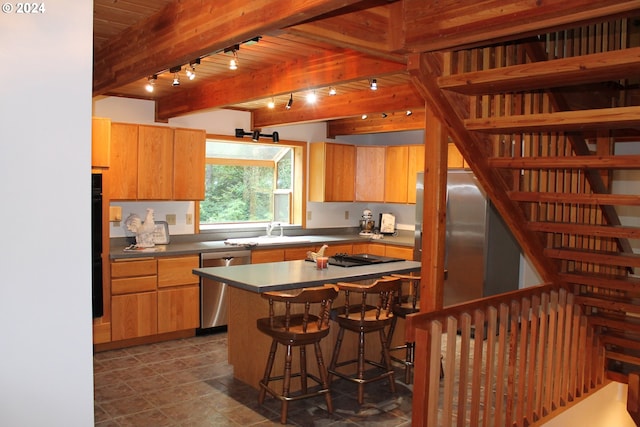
(213, 295)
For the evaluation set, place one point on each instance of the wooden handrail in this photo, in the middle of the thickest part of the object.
(509, 360)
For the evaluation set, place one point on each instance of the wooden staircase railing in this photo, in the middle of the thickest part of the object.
(510, 360)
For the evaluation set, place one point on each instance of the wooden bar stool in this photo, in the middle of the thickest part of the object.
(360, 317)
(305, 321)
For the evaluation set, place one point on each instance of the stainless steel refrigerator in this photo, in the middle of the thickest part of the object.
(481, 255)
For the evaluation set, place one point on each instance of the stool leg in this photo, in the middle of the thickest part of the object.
(336, 352)
(267, 371)
(323, 376)
(361, 367)
(303, 369)
(409, 363)
(286, 384)
(387, 360)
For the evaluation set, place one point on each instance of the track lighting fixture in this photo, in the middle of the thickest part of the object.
(409, 112)
(151, 82)
(332, 91)
(383, 115)
(176, 77)
(290, 102)
(373, 85)
(364, 116)
(191, 70)
(233, 64)
(255, 135)
(271, 104)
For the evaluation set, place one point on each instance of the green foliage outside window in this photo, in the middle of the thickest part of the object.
(237, 194)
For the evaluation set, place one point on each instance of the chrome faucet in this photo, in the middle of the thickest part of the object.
(272, 225)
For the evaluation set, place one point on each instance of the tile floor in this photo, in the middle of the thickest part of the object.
(188, 383)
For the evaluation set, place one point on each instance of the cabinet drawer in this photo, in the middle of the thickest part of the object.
(399, 252)
(177, 271)
(292, 254)
(146, 267)
(129, 285)
(267, 255)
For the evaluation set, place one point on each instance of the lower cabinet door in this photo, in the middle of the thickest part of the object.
(178, 308)
(134, 315)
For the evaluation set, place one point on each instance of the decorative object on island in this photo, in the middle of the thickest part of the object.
(314, 255)
(297, 330)
(143, 230)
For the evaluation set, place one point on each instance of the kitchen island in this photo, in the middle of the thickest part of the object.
(247, 347)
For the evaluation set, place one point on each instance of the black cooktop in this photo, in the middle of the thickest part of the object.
(345, 260)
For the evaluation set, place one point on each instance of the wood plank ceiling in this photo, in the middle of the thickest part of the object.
(302, 48)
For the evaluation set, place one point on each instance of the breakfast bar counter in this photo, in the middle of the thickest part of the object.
(247, 347)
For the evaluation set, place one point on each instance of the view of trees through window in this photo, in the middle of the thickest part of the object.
(241, 181)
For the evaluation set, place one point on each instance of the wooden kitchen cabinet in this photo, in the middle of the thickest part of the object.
(156, 163)
(178, 294)
(153, 296)
(259, 256)
(189, 147)
(454, 157)
(414, 165)
(332, 172)
(100, 142)
(123, 167)
(370, 161)
(133, 299)
(395, 174)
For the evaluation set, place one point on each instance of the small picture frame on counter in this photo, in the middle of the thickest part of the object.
(161, 233)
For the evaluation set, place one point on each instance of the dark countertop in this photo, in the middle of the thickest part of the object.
(278, 276)
(186, 247)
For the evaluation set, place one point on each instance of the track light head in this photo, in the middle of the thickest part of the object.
(276, 137)
(409, 112)
(383, 115)
(240, 133)
(151, 82)
(290, 102)
(256, 135)
(332, 91)
(373, 85)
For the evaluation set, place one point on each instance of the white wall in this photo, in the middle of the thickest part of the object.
(46, 374)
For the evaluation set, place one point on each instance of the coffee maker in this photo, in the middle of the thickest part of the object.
(367, 223)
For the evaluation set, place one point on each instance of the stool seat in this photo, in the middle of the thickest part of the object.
(304, 321)
(364, 315)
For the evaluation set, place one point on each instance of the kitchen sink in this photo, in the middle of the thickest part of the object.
(266, 240)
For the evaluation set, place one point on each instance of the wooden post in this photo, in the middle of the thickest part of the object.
(434, 213)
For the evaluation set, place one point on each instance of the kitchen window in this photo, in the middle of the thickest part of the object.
(251, 183)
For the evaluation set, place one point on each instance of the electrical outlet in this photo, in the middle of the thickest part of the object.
(346, 214)
(171, 219)
(189, 219)
(308, 215)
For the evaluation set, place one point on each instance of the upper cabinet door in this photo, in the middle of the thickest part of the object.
(100, 142)
(395, 172)
(123, 168)
(370, 162)
(189, 164)
(155, 163)
(416, 164)
(332, 172)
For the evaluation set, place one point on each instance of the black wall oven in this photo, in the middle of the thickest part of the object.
(96, 244)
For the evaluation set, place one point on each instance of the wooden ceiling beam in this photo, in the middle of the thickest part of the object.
(605, 118)
(593, 68)
(449, 24)
(315, 72)
(188, 29)
(393, 98)
(393, 122)
(377, 31)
